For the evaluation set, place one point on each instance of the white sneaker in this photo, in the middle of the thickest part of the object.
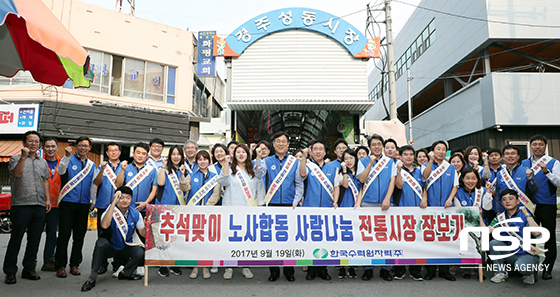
(529, 279)
(247, 273)
(140, 270)
(116, 273)
(214, 269)
(228, 273)
(499, 278)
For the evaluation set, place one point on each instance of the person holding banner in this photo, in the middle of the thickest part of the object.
(30, 198)
(140, 177)
(243, 187)
(547, 174)
(349, 194)
(440, 188)
(118, 224)
(106, 175)
(517, 177)
(521, 259)
(51, 218)
(283, 184)
(378, 173)
(78, 188)
(191, 148)
(471, 191)
(322, 187)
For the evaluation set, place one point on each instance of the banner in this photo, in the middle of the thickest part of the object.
(276, 236)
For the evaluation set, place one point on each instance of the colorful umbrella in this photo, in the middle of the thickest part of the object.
(33, 39)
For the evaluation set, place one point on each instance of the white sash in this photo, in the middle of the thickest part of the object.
(495, 181)
(279, 179)
(544, 159)
(111, 176)
(140, 176)
(375, 171)
(437, 173)
(246, 188)
(174, 181)
(478, 193)
(412, 182)
(205, 189)
(508, 180)
(352, 186)
(151, 162)
(188, 167)
(535, 250)
(71, 184)
(122, 226)
(322, 178)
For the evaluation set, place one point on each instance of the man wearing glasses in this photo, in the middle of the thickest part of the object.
(77, 188)
(340, 145)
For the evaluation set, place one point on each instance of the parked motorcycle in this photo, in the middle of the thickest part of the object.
(5, 203)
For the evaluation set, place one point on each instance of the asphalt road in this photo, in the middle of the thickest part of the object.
(50, 285)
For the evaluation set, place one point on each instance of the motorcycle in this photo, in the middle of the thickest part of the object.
(5, 203)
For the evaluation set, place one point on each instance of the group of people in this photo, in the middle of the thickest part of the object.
(60, 193)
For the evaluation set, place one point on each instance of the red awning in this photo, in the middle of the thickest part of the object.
(9, 148)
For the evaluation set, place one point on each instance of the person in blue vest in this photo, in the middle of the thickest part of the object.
(77, 189)
(521, 259)
(492, 167)
(349, 193)
(114, 242)
(408, 193)
(106, 185)
(523, 178)
(547, 175)
(156, 148)
(316, 193)
(440, 187)
(379, 184)
(282, 192)
(140, 177)
(340, 145)
(191, 148)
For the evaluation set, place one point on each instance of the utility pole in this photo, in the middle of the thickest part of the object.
(409, 80)
(390, 62)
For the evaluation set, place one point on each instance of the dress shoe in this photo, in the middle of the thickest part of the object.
(447, 276)
(386, 275)
(310, 275)
(48, 267)
(546, 275)
(290, 277)
(324, 275)
(87, 286)
(30, 275)
(273, 277)
(368, 274)
(132, 277)
(430, 276)
(74, 270)
(101, 270)
(10, 279)
(61, 272)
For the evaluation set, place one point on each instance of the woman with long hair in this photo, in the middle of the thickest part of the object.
(457, 161)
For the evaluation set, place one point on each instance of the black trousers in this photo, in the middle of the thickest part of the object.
(133, 256)
(431, 269)
(288, 270)
(100, 212)
(545, 214)
(72, 222)
(32, 219)
(401, 269)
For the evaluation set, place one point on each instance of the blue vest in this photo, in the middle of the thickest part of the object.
(336, 163)
(285, 194)
(408, 196)
(81, 193)
(169, 197)
(105, 191)
(377, 191)
(519, 225)
(192, 166)
(440, 190)
(315, 194)
(467, 199)
(141, 192)
(547, 191)
(197, 181)
(117, 241)
(346, 196)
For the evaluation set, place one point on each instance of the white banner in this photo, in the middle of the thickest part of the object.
(18, 118)
(276, 236)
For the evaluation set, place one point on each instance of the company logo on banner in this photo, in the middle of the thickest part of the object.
(297, 18)
(206, 62)
(275, 236)
(18, 118)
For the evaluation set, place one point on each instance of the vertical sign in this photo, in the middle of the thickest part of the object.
(206, 63)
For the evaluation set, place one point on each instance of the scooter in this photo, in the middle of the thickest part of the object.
(5, 203)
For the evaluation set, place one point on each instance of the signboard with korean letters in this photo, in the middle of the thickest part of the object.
(18, 118)
(205, 62)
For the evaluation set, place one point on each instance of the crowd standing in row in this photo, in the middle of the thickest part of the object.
(58, 193)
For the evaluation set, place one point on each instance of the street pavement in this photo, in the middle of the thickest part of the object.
(50, 285)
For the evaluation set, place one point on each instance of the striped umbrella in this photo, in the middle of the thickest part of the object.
(33, 39)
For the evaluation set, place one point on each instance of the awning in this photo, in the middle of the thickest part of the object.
(300, 104)
(9, 148)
